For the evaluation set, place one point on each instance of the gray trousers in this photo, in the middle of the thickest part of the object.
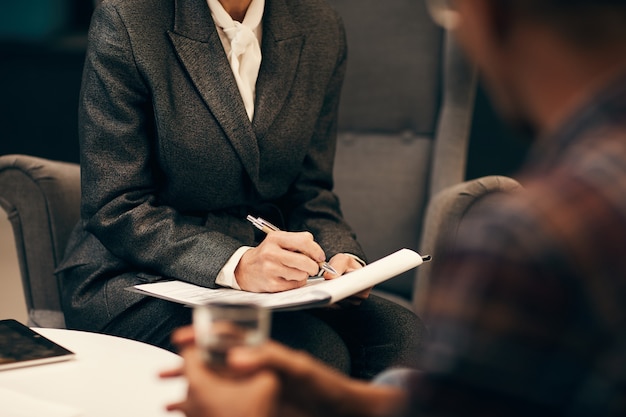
(359, 341)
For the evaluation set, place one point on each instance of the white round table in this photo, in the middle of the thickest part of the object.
(110, 376)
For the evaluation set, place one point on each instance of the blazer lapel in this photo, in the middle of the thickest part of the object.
(282, 44)
(200, 50)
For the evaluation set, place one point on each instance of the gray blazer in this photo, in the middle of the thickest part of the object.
(171, 164)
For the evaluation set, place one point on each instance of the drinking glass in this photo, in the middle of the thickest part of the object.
(221, 326)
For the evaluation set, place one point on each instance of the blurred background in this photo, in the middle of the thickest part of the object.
(42, 49)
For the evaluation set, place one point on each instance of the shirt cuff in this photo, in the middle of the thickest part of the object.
(226, 277)
(356, 258)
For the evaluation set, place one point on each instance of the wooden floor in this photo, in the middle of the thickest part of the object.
(12, 304)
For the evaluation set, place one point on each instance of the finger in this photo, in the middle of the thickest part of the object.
(298, 370)
(291, 266)
(343, 264)
(273, 280)
(251, 359)
(300, 242)
(271, 355)
(183, 336)
(349, 302)
(171, 373)
(363, 295)
(278, 250)
(280, 284)
(179, 406)
(299, 266)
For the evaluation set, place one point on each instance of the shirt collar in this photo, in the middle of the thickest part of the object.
(252, 19)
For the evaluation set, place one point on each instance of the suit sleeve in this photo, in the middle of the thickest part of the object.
(314, 206)
(120, 178)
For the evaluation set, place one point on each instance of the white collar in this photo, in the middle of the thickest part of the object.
(252, 19)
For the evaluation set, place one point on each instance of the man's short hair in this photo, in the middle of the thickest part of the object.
(584, 21)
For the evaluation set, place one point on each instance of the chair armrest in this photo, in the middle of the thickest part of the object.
(42, 200)
(445, 212)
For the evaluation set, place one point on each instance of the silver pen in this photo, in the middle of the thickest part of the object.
(267, 227)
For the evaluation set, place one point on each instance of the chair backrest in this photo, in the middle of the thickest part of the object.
(404, 125)
(42, 200)
(444, 215)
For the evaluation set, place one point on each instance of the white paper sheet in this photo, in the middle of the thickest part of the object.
(316, 292)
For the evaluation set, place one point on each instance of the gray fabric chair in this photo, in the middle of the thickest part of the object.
(446, 210)
(42, 200)
(405, 119)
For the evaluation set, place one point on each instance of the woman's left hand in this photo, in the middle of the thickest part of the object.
(344, 264)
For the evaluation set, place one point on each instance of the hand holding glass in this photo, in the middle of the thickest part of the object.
(221, 326)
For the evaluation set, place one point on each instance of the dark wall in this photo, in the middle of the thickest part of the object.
(42, 49)
(40, 80)
(40, 85)
(493, 148)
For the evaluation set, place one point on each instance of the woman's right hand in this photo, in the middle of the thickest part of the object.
(283, 261)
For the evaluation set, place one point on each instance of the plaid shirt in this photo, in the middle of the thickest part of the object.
(528, 309)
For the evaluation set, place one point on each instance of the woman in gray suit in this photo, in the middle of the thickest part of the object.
(192, 116)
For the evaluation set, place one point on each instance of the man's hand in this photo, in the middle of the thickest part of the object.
(283, 261)
(210, 394)
(275, 380)
(310, 388)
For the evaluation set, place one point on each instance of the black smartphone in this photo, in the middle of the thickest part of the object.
(21, 346)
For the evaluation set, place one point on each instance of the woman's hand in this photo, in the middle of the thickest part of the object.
(283, 261)
(344, 264)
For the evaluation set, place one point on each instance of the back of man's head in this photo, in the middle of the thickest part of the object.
(538, 58)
